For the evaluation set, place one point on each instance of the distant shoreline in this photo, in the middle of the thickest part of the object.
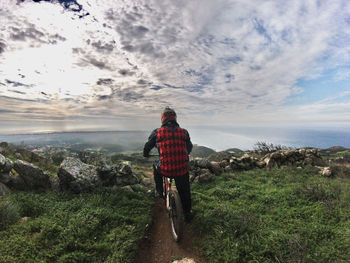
(67, 132)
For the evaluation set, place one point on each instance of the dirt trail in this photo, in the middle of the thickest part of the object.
(158, 245)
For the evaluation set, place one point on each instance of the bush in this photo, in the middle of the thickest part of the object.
(9, 214)
(266, 147)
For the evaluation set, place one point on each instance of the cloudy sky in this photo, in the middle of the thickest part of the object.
(113, 65)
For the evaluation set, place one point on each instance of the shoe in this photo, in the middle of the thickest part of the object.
(189, 216)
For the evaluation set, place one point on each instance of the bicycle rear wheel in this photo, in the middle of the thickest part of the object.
(176, 215)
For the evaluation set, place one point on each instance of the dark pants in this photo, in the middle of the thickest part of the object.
(182, 185)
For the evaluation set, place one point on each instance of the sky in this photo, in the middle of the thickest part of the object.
(114, 65)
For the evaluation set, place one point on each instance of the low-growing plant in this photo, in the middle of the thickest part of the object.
(105, 225)
(282, 215)
(9, 214)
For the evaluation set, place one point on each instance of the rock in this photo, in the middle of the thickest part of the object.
(128, 187)
(224, 163)
(125, 168)
(107, 174)
(215, 168)
(146, 182)
(203, 163)
(24, 220)
(19, 156)
(185, 260)
(122, 179)
(76, 176)
(55, 183)
(260, 164)
(32, 175)
(326, 171)
(227, 169)
(6, 164)
(13, 181)
(4, 190)
(125, 175)
(204, 178)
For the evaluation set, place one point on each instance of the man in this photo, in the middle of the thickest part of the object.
(174, 145)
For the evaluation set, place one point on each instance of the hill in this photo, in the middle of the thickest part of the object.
(201, 151)
(218, 156)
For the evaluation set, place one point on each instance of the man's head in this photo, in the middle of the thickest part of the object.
(168, 115)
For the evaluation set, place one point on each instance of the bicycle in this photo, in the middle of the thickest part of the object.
(173, 206)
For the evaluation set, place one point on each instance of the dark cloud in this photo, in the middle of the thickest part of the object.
(56, 37)
(255, 68)
(103, 97)
(229, 77)
(16, 84)
(127, 94)
(142, 82)
(31, 33)
(17, 99)
(17, 91)
(104, 81)
(129, 48)
(99, 64)
(231, 60)
(259, 26)
(20, 34)
(156, 87)
(6, 111)
(78, 51)
(2, 47)
(107, 47)
(125, 72)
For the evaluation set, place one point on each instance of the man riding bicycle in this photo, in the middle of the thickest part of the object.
(174, 145)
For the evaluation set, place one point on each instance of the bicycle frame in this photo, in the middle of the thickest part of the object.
(166, 188)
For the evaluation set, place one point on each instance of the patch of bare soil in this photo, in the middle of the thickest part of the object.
(158, 245)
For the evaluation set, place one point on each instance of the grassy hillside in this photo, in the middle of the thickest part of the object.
(201, 151)
(283, 215)
(103, 226)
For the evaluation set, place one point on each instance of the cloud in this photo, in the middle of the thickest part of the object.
(230, 61)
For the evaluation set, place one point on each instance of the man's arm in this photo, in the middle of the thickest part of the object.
(189, 144)
(150, 144)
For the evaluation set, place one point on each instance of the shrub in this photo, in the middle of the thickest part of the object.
(9, 214)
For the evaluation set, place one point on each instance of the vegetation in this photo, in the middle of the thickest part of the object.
(103, 226)
(201, 151)
(283, 215)
(265, 147)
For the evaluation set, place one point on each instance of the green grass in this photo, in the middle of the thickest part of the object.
(103, 226)
(283, 215)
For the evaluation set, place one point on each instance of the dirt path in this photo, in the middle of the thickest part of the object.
(158, 245)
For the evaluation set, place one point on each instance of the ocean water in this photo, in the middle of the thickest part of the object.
(215, 138)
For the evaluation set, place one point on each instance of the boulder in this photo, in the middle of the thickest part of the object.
(146, 182)
(204, 178)
(125, 175)
(6, 164)
(107, 174)
(76, 176)
(326, 171)
(215, 168)
(4, 190)
(13, 181)
(19, 156)
(128, 188)
(125, 168)
(32, 175)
